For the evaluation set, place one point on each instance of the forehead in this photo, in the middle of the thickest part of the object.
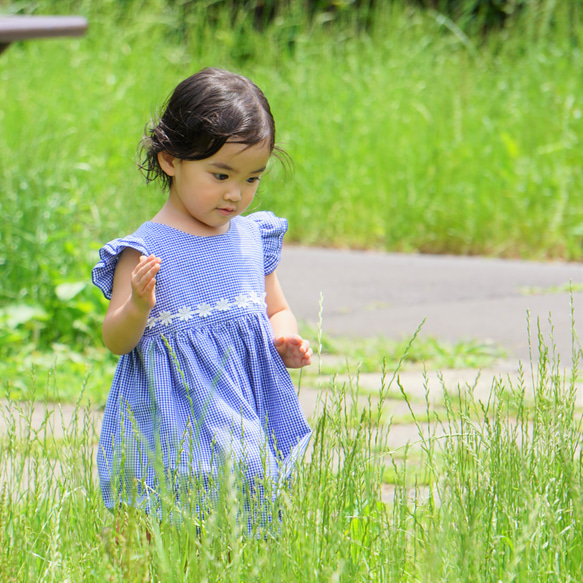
(242, 157)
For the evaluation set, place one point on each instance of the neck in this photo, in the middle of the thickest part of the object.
(168, 215)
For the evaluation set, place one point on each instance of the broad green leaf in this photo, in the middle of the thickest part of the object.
(15, 314)
(67, 291)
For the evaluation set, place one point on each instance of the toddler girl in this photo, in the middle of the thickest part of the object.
(196, 311)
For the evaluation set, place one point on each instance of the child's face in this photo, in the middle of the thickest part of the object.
(207, 194)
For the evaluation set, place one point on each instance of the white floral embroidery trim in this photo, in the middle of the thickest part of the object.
(203, 310)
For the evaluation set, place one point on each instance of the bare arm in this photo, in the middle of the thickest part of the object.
(133, 296)
(293, 349)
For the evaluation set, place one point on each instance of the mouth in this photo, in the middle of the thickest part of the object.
(226, 211)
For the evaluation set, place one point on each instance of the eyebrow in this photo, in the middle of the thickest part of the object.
(224, 166)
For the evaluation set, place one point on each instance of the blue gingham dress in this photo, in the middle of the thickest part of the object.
(205, 383)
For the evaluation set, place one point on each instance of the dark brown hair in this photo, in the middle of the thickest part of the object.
(204, 111)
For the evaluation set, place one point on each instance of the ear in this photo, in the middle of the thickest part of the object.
(167, 163)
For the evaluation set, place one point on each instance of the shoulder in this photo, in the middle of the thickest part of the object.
(267, 223)
(270, 229)
(136, 244)
(138, 240)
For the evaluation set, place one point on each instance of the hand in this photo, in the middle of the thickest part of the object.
(143, 281)
(294, 350)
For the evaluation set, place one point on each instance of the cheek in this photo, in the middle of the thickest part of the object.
(248, 197)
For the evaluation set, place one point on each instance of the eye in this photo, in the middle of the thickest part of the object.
(221, 177)
(254, 179)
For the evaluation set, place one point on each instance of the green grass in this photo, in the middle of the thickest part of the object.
(367, 354)
(559, 289)
(60, 375)
(488, 490)
(57, 373)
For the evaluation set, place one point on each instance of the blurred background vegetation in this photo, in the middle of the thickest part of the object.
(434, 126)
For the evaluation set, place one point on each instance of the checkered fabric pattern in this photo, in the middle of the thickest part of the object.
(205, 383)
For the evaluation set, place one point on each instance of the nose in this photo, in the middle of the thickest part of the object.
(233, 193)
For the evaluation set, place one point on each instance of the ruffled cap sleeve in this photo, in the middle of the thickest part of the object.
(103, 272)
(272, 230)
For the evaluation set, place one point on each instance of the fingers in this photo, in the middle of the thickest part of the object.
(144, 279)
(291, 340)
(145, 272)
(307, 352)
(148, 265)
(294, 350)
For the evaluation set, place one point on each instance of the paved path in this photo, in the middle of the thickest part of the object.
(460, 298)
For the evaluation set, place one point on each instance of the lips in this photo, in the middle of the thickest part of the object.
(226, 211)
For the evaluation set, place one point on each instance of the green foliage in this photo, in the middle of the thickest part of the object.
(412, 133)
(71, 315)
